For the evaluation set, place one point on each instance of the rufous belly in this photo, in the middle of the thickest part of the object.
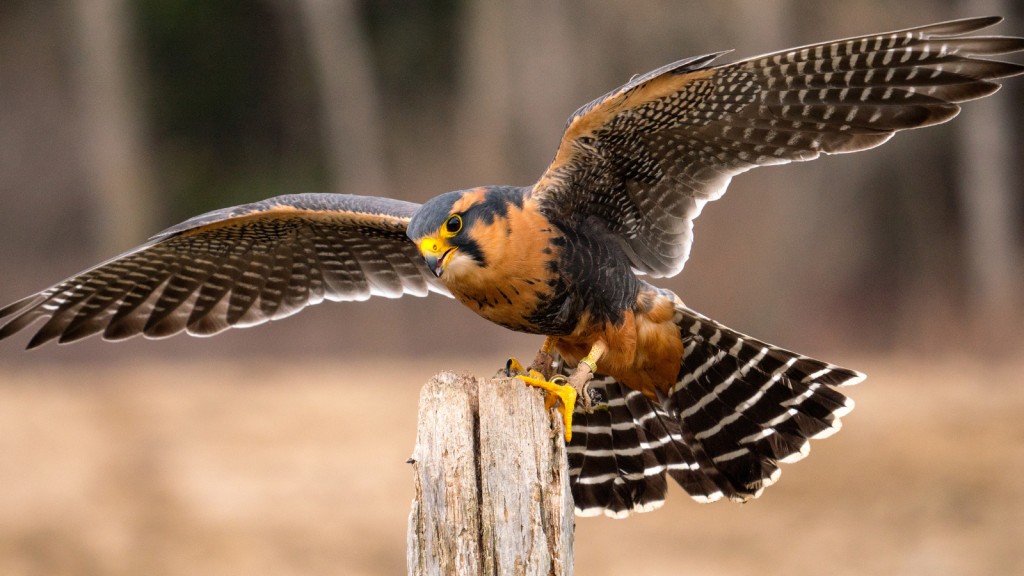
(644, 352)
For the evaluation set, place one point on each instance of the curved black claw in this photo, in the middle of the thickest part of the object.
(513, 367)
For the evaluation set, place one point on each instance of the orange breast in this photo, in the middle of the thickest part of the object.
(516, 280)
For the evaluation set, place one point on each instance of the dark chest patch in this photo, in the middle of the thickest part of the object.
(592, 279)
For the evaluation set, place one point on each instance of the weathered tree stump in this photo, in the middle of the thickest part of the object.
(492, 484)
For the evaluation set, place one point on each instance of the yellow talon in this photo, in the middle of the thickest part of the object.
(556, 392)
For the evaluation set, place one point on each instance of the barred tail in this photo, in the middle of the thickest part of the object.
(739, 408)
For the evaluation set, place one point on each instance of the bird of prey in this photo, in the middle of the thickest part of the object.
(663, 391)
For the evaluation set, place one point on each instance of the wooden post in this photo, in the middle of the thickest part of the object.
(492, 485)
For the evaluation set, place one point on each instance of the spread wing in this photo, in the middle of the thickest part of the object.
(237, 267)
(645, 158)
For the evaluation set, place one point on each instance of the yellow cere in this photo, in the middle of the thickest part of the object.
(435, 246)
(430, 245)
(438, 245)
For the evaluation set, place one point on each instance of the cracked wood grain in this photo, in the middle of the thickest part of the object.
(491, 483)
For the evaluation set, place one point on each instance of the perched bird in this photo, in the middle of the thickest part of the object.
(663, 391)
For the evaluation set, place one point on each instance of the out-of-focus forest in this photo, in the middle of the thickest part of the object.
(280, 449)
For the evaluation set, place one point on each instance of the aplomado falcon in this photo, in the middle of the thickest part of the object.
(663, 390)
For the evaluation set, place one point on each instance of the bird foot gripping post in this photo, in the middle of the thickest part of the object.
(562, 392)
(492, 489)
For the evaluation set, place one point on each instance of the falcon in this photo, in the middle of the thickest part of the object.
(647, 388)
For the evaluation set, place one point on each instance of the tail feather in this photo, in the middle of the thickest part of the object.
(738, 409)
(620, 454)
(598, 469)
(632, 457)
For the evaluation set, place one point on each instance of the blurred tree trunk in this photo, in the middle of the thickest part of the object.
(544, 79)
(116, 160)
(986, 177)
(518, 87)
(348, 95)
(485, 119)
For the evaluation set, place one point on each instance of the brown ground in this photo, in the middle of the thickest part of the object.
(300, 469)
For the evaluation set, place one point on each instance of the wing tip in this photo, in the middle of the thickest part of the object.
(961, 26)
(38, 339)
(6, 331)
(700, 61)
(19, 305)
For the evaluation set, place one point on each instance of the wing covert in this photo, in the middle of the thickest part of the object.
(237, 267)
(644, 159)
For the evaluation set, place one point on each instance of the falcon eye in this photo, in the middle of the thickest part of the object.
(453, 225)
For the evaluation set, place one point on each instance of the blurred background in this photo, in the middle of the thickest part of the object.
(266, 451)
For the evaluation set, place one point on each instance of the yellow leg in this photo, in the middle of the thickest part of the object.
(596, 351)
(549, 344)
(556, 392)
(513, 365)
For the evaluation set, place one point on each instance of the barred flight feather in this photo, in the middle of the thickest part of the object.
(236, 267)
(646, 157)
(739, 408)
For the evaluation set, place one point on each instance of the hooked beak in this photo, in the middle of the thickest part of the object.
(436, 253)
(437, 264)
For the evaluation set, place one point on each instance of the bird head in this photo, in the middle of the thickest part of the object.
(442, 230)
